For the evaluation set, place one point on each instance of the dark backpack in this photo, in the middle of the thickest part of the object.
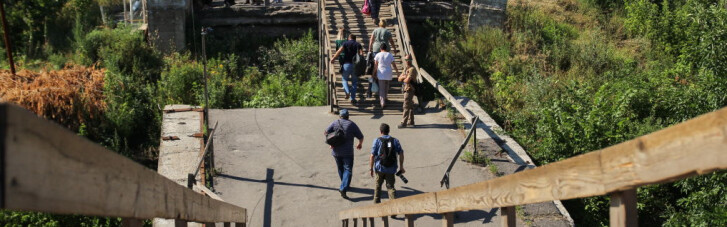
(337, 137)
(359, 64)
(387, 152)
(370, 63)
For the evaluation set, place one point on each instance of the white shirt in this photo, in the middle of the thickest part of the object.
(383, 72)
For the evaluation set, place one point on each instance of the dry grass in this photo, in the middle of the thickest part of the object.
(69, 96)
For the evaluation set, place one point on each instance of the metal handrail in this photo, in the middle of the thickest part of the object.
(191, 178)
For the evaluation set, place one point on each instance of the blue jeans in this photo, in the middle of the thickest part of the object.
(345, 169)
(348, 75)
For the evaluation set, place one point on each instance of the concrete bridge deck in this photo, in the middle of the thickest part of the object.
(274, 163)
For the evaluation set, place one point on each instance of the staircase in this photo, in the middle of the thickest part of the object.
(347, 14)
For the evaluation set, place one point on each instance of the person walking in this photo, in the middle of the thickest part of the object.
(381, 35)
(340, 39)
(375, 6)
(383, 162)
(409, 78)
(383, 63)
(349, 49)
(343, 154)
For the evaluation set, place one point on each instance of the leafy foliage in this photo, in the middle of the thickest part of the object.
(563, 86)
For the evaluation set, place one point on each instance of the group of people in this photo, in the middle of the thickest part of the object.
(383, 67)
(383, 151)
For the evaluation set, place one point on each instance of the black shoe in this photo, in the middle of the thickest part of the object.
(353, 102)
(401, 126)
(343, 194)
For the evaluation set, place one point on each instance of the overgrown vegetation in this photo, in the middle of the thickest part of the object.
(569, 77)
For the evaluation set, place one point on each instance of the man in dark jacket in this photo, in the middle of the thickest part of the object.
(343, 154)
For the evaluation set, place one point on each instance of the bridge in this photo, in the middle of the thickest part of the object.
(271, 168)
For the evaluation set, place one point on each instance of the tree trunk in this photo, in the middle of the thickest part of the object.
(103, 14)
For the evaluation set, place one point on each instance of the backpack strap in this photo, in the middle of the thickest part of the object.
(340, 126)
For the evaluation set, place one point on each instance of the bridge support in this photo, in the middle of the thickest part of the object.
(168, 23)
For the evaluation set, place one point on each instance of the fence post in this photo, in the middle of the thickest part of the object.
(180, 223)
(623, 209)
(408, 220)
(474, 134)
(131, 222)
(448, 219)
(508, 216)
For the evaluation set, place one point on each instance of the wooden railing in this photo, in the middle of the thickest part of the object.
(46, 168)
(327, 70)
(694, 147)
(691, 148)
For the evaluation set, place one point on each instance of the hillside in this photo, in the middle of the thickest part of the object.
(569, 77)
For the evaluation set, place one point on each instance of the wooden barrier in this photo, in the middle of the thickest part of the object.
(47, 168)
(693, 147)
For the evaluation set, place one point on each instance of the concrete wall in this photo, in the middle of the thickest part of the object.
(487, 13)
(168, 23)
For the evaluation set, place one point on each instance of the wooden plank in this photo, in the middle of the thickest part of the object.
(623, 211)
(693, 147)
(72, 175)
(448, 219)
(509, 216)
(409, 220)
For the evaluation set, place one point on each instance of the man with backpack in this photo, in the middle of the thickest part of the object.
(383, 161)
(343, 151)
(350, 49)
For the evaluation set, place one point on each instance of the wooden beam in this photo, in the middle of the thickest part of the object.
(508, 216)
(448, 219)
(623, 211)
(693, 147)
(72, 175)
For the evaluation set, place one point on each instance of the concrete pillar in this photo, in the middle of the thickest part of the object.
(487, 13)
(168, 23)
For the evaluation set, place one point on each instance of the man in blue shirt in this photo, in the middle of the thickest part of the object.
(384, 172)
(344, 153)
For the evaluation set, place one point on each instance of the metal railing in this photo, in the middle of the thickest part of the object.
(47, 168)
(192, 177)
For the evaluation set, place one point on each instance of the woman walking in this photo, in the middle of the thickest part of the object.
(380, 36)
(383, 63)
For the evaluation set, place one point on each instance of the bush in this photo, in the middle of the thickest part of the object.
(563, 87)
